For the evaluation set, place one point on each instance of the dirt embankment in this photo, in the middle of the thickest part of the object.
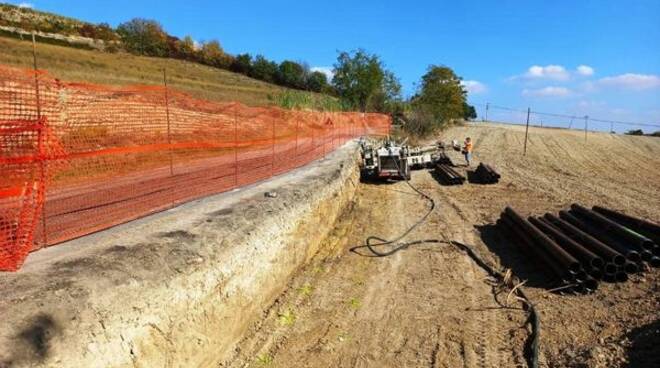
(428, 305)
(177, 289)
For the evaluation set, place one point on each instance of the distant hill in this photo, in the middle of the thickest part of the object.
(77, 65)
(146, 37)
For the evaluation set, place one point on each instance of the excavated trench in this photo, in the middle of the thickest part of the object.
(177, 289)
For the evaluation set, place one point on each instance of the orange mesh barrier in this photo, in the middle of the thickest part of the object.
(78, 158)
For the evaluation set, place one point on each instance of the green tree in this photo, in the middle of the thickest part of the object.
(441, 95)
(362, 82)
(635, 132)
(317, 82)
(469, 112)
(144, 37)
(242, 64)
(264, 69)
(291, 74)
(187, 48)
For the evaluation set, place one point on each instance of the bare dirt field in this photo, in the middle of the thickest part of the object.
(429, 305)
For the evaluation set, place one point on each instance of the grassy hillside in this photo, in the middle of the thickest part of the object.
(76, 65)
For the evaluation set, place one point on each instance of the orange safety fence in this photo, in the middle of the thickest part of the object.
(78, 158)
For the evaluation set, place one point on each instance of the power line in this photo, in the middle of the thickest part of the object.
(566, 116)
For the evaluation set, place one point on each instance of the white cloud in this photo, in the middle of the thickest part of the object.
(631, 81)
(550, 91)
(327, 70)
(474, 86)
(585, 70)
(25, 5)
(554, 72)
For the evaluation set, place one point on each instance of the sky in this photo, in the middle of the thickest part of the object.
(596, 58)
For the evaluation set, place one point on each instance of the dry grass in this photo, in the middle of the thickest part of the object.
(76, 65)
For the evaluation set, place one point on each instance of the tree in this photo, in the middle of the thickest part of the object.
(317, 82)
(635, 132)
(144, 37)
(291, 74)
(187, 48)
(211, 53)
(264, 69)
(242, 64)
(362, 82)
(469, 112)
(441, 95)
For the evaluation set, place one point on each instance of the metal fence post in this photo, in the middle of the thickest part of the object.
(167, 116)
(297, 129)
(526, 131)
(272, 161)
(236, 145)
(40, 140)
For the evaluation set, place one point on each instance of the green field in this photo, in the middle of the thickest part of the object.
(77, 65)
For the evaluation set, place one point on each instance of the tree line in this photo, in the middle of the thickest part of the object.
(360, 79)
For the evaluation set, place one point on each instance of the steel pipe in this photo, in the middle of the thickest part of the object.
(611, 268)
(623, 232)
(634, 222)
(630, 254)
(621, 276)
(555, 251)
(607, 253)
(555, 268)
(590, 284)
(589, 259)
(596, 273)
(630, 267)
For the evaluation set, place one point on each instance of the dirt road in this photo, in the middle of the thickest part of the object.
(428, 305)
(424, 306)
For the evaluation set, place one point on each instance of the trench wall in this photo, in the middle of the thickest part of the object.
(177, 289)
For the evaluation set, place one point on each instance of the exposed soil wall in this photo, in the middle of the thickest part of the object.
(178, 289)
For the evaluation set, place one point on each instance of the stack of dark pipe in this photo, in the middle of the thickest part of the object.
(442, 158)
(449, 175)
(486, 174)
(581, 246)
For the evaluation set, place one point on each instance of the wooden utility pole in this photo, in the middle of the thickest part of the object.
(586, 126)
(526, 131)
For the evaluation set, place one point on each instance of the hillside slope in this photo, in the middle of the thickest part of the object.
(78, 65)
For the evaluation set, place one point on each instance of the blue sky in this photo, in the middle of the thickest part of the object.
(598, 58)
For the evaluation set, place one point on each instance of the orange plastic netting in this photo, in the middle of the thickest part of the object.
(78, 158)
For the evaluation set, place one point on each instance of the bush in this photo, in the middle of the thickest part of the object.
(635, 132)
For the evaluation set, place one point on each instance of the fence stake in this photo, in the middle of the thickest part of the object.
(272, 161)
(526, 132)
(297, 128)
(40, 138)
(167, 115)
(235, 145)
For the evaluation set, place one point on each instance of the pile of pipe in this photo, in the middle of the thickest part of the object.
(448, 175)
(485, 174)
(582, 246)
(443, 159)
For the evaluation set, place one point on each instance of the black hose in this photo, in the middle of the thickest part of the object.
(380, 241)
(532, 344)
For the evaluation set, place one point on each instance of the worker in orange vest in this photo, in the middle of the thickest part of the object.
(467, 150)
